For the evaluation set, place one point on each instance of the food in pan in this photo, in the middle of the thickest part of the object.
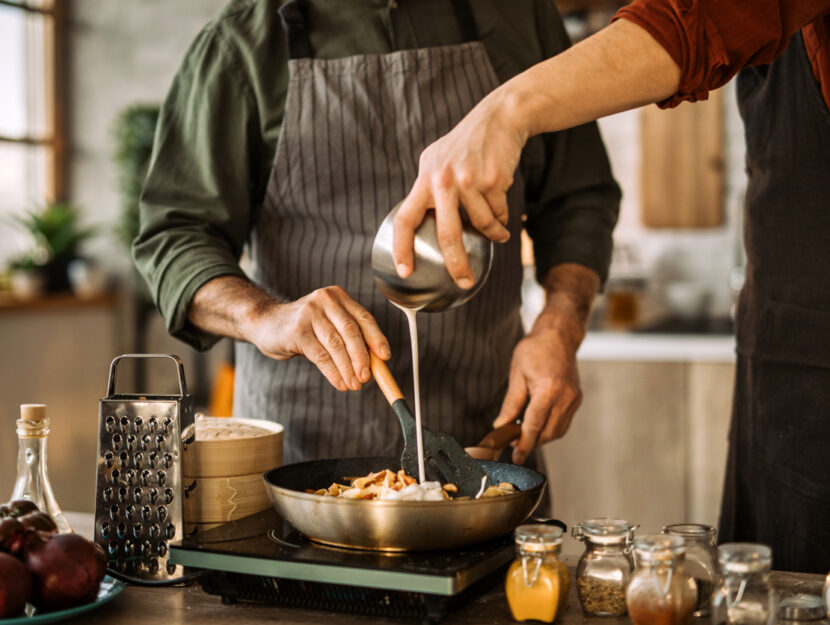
(388, 485)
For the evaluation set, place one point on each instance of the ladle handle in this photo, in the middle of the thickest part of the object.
(385, 380)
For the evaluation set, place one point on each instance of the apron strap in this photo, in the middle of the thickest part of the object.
(465, 19)
(294, 16)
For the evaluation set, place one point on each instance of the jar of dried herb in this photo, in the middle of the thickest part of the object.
(701, 559)
(744, 594)
(537, 582)
(660, 592)
(605, 567)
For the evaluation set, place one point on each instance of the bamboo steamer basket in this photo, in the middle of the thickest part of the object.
(222, 469)
(223, 457)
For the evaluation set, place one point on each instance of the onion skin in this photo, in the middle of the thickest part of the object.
(12, 536)
(38, 521)
(66, 570)
(19, 507)
(15, 586)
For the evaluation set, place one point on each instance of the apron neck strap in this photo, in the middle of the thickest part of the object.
(294, 17)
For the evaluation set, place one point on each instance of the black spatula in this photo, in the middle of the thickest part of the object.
(444, 459)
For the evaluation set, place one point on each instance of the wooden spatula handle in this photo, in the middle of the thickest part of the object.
(385, 381)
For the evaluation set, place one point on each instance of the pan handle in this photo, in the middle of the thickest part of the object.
(385, 380)
(499, 438)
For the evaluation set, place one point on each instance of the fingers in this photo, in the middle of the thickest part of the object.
(514, 400)
(334, 332)
(448, 229)
(410, 215)
(484, 216)
(547, 417)
(535, 418)
(372, 334)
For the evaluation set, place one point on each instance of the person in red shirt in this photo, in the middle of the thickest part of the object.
(777, 487)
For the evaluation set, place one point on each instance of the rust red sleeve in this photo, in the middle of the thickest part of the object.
(711, 40)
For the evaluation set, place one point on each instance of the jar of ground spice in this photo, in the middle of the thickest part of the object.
(605, 567)
(537, 582)
(701, 559)
(660, 592)
(744, 595)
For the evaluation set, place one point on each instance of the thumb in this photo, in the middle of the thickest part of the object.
(514, 401)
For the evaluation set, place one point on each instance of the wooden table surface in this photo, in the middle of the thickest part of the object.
(138, 605)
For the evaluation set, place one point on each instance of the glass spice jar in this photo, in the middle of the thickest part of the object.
(605, 567)
(701, 559)
(537, 583)
(660, 592)
(744, 594)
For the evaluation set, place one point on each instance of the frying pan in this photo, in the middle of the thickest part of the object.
(397, 525)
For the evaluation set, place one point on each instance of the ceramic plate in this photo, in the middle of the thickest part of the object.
(109, 588)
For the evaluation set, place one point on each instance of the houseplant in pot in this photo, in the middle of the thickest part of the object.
(58, 235)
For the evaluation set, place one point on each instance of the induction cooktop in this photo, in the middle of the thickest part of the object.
(260, 558)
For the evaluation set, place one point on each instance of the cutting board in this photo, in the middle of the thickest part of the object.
(682, 167)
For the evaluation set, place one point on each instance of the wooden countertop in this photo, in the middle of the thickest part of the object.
(190, 605)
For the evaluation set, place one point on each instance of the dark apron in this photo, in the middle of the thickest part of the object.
(777, 489)
(347, 153)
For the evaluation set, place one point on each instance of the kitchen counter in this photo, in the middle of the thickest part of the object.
(190, 605)
(638, 347)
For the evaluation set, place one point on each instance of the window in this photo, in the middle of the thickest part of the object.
(31, 112)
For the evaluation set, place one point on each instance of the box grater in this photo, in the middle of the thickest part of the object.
(138, 499)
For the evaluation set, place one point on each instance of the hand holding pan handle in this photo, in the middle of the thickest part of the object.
(493, 444)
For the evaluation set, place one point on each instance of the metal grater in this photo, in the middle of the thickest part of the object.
(138, 499)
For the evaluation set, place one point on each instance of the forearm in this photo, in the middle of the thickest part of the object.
(228, 306)
(570, 291)
(619, 68)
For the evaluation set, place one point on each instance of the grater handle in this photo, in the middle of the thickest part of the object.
(173, 357)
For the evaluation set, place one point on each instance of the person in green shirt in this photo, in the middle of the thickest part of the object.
(290, 130)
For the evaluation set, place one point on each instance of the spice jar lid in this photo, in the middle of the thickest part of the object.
(744, 558)
(604, 531)
(538, 535)
(659, 548)
(691, 531)
(801, 608)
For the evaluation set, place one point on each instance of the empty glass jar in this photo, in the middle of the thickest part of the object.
(701, 559)
(605, 567)
(660, 592)
(744, 595)
(537, 583)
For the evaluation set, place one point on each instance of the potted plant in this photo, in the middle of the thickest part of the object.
(27, 279)
(58, 234)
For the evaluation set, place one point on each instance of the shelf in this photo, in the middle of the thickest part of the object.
(56, 302)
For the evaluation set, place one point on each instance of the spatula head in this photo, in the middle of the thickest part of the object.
(445, 461)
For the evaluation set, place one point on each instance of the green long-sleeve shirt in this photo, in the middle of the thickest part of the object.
(220, 122)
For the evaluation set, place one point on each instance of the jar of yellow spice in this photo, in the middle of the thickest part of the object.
(537, 582)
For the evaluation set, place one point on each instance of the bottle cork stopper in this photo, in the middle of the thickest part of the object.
(34, 413)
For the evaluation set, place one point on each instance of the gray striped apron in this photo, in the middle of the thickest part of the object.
(348, 152)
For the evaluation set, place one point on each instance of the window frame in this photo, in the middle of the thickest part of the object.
(55, 94)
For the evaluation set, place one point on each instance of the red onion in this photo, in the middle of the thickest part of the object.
(19, 507)
(38, 521)
(12, 536)
(66, 569)
(15, 586)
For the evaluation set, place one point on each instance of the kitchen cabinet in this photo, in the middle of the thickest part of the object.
(682, 164)
(648, 444)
